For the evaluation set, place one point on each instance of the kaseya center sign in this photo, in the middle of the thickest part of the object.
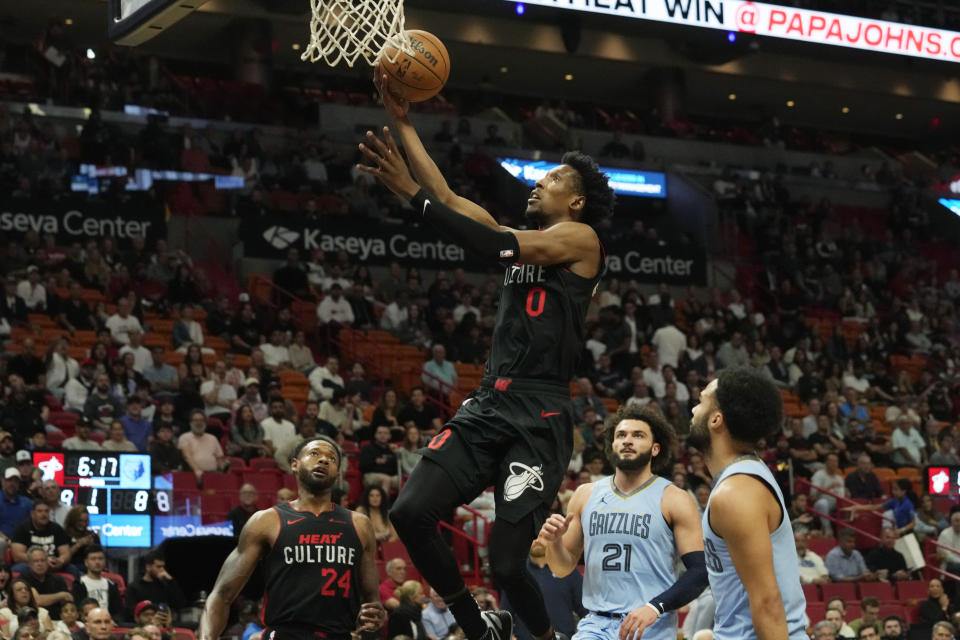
(792, 23)
(379, 243)
(80, 220)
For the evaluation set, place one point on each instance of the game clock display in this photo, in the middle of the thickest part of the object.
(115, 488)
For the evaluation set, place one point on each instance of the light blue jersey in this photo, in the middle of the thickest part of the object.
(733, 620)
(629, 552)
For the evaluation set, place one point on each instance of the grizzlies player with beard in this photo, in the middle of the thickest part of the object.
(320, 561)
(630, 527)
(747, 537)
(515, 432)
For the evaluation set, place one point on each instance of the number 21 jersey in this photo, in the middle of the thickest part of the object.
(629, 551)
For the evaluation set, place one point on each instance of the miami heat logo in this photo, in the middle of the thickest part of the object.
(521, 478)
(50, 468)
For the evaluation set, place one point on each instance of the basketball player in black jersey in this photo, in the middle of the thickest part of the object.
(320, 561)
(516, 431)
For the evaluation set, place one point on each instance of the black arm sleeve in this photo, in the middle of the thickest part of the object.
(485, 241)
(687, 587)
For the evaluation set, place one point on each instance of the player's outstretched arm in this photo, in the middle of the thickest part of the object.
(372, 613)
(255, 538)
(563, 536)
(424, 169)
(742, 511)
(681, 514)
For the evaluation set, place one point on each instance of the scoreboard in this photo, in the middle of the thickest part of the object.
(943, 481)
(116, 488)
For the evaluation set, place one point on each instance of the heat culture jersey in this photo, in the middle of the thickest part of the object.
(732, 620)
(629, 552)
(313, 582)
(541, 322)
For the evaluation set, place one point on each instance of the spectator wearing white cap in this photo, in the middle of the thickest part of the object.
(14, 506)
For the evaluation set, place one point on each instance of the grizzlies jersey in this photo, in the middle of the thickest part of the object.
(629, 551)
(540, 329)
(733, 620)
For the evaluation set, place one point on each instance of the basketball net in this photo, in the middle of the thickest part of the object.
(348, 29)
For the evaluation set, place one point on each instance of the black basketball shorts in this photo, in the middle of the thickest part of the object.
(516, 435)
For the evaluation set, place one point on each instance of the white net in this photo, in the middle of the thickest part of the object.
(349, 29)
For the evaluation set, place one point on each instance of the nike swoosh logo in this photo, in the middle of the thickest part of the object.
(426, 203)
(544, 414)
(296, 521)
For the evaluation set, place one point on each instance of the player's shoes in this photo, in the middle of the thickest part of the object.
(499, 624)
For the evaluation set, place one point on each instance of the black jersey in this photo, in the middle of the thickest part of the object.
(541, 322)
(313, 581)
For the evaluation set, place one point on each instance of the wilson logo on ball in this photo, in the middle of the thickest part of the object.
(520, 479)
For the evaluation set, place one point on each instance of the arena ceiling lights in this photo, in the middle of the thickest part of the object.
(818, 27)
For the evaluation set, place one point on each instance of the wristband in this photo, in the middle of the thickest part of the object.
(655, 608)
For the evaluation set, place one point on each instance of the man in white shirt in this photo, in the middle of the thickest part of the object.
(856, 380)
(830, 479)
(652, 375)
(277, 430)
(439, 373)
(122, 323)
(34, 294)
(641, 395)
(670, 343)
(81, 441)
(335, 279)
(77, 389)
(275, 353)
(323, 380)
(951, 538)
(811, 567)
(908, 444)
(142, 358)
(335, 308)
(395, 313)
(218, 395)
(810, 420)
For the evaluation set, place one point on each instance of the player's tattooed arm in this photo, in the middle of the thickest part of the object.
(255, 538)
(563, 536)
(372, 614)
(744, 512)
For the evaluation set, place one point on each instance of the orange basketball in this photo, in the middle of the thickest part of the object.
(420, 76)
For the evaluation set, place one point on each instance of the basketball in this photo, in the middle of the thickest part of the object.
(420, 76)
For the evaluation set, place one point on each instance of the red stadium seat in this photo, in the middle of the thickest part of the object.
(821, 546)
(68, 578)
(184, 481)
(218, 502)
(183, 634)
(912, 590)
(265, 480)
(237, 464)
(879, 590)
(262, 463)
(117, 580)
(290, 482)
(811, 592)
(845, 590)
(221, 482)
(391, 550)
(815, 611)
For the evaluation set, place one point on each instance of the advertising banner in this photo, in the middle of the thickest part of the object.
(760, 18)
(410, 245)
(79, 219)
